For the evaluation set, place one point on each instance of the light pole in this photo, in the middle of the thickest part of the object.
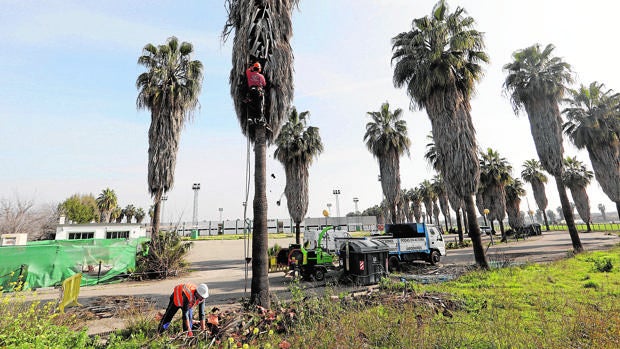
(163, 201)
(486, 212)
(195, 188)
(357, 213)
(529, 210)
(221, 209)
(336, 193)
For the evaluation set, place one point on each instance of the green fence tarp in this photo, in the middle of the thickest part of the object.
(48, 263)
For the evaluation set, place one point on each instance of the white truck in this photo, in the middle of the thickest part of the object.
(410, 242)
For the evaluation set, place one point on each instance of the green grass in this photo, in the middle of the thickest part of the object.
(567, 304)
(611, 227)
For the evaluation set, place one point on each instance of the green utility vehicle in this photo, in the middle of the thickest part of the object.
(312, 263)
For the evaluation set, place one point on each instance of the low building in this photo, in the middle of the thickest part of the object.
(100, 231)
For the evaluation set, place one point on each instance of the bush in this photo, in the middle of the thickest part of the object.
(165, 256)
(603, 265)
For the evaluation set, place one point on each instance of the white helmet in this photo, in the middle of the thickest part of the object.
(203, 290)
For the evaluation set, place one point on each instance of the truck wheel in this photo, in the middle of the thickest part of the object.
(393, 264)
(319, 274)
(435, 257)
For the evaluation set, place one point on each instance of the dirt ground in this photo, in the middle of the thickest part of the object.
(221, 264)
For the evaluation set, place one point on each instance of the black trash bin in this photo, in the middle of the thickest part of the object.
(364, 261)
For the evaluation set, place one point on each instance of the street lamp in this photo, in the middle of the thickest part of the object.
(336, 193)
(195, 188)
(486, 212)
(221, 209)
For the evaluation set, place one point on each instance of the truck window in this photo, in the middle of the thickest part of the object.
(434, 232)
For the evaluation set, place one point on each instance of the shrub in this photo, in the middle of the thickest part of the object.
(603, 265)
(273, 250)
(165, 256)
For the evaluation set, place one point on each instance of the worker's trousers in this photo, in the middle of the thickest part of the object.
(170, 311)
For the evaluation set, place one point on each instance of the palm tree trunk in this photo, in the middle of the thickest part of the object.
(502, 230)
(546, 220)
(156, 213)
(474, 233)
(155, 220)
(260, 267)
(445, 220)
(297, 233)
(394, 214)
(465, 221)
(618, 208)
(568, 216)
(458, 224)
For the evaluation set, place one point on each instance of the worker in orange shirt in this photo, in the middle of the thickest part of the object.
(185, 297)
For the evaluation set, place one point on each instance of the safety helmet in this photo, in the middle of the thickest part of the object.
(257, 66)
(202, 290)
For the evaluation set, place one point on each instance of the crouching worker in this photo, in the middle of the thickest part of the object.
(185, 297)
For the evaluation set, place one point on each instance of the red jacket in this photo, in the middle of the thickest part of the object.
(255, 78)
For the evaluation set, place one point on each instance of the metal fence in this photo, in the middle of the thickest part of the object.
(235, 227)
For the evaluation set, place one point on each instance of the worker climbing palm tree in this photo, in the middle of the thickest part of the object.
(256, 94)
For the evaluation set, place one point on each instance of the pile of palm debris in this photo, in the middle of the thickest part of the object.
(113, 306)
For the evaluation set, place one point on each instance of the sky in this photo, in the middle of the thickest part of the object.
(69, 123)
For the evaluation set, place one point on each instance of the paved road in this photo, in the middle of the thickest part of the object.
(221, 264)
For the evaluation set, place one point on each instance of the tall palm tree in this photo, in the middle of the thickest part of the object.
(106, 202)
(405, 211)
(577, 178)
(532, 173)
(439, 62)
(443, 192)
(297, 145)
(119, 213)
(457, 204)
(536, 83)
(130, 211)
(408, 202)
(263, 30)
(115, 214)
(140, 214)
(416, 204)
(428, 197)
(169, 89)
(601, 208)
(495, 173)
(386, 138)
(439, 188)
(593, 123)
(514, 190)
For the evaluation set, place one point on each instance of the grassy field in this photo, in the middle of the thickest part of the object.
(583, 227)
(568, 304)
(573, 303)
